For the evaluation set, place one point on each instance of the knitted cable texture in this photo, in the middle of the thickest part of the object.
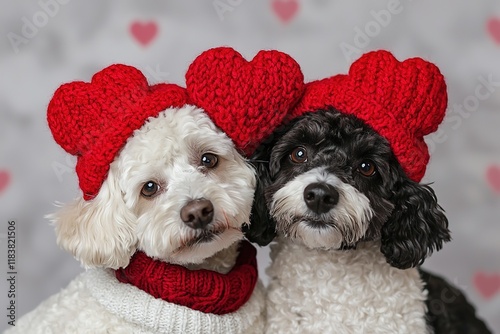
(402, 101)
(202, 290)
(248, 100)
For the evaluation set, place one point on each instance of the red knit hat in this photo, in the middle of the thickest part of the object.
(248, 100)
(94, 120)
(402, 101)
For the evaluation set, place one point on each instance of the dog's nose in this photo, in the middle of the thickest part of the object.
(197, 213)
(320, 197)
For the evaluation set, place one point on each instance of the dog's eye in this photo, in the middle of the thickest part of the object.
(149, 189)
(209, 160)
(299, 155)
(367, 168)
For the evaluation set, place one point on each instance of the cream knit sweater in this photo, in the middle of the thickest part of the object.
(96, 302)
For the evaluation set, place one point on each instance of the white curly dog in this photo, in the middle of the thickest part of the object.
(179, 192)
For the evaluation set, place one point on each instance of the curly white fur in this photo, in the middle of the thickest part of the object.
(107, 230)
(316, 288)
(328, 291)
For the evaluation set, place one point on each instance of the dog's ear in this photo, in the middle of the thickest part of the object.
(262, 228)
(98, 232)
(416, 228)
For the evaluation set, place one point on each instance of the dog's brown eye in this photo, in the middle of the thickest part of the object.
(149, 189)
(209, 160)
(299, 155)
(367, 168)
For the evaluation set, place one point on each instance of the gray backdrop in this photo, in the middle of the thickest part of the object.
(45, 43)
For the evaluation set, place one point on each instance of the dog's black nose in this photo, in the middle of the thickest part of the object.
(320, 197)
(197, 213)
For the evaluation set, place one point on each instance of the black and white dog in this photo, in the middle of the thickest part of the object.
(352, 229)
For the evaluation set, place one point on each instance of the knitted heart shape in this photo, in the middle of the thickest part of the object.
(94, 120)
(402, 101)
(247, 100)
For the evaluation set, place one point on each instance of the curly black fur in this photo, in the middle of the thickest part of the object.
(408, 220)
(449, 312)
(416, 227)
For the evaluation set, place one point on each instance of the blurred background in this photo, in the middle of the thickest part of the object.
(49, 42)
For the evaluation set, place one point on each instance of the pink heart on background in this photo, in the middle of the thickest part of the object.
(493, 26)
(4, 180)
(144, 33)
(285, 9)
(487, 284)
(493, 177)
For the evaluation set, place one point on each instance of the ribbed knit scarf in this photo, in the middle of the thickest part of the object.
(203, 290)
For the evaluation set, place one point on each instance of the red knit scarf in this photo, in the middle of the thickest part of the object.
(203, 290)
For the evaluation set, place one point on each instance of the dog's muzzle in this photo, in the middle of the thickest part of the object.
(320, 197)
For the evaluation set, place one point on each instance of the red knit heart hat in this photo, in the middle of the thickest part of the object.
(247, 100)
(402, 101)
(94, 120)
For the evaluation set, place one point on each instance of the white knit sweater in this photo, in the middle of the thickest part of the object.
(96, 302)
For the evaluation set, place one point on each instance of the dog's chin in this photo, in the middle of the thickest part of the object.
(203, 246)
(316, 234)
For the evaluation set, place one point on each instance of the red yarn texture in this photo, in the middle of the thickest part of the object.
(402, 101)
(203, 290)
(248, 100)
(94, 120)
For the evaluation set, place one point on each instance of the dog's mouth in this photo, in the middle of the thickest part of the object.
(205, 236)
(318, 224)
(310, 222)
